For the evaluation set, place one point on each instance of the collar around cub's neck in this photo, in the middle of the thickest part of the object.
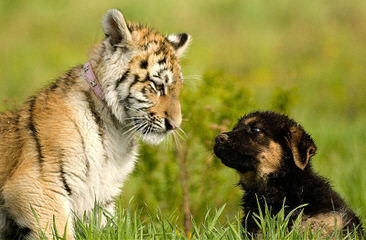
(89, 76)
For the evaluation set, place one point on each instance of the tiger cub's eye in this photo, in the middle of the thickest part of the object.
(158, 88)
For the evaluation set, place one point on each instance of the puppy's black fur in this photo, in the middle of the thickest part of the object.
(272, 155)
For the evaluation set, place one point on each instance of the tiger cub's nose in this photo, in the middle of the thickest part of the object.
(169, 125)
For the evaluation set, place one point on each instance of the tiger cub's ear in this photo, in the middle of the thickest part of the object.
(179, 42)
(115, 27)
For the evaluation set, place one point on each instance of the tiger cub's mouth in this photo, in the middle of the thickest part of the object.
(151, 130)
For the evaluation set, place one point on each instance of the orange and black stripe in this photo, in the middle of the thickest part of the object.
(33, 131)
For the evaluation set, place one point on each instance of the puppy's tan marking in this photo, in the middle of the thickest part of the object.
(269, 159)
(294, 142)
(327, 223)
(249, 120)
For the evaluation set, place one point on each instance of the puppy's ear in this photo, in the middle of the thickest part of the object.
(302, 146)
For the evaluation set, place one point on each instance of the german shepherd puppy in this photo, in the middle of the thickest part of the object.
(272, 154)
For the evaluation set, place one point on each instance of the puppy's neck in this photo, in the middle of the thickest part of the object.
(251, 181)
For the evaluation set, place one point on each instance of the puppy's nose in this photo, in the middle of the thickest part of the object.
(221, 138)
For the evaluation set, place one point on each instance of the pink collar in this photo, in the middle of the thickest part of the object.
(92, 80)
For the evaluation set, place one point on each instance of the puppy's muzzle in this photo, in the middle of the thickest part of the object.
(222, 146)
(221, 138)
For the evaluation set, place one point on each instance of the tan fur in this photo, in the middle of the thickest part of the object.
(294, 142)
(22, 184)
(66, 148)
(326, 223)
(249, 120)
(270, 159)
(153, 47)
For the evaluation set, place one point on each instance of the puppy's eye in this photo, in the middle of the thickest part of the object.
(255, 130)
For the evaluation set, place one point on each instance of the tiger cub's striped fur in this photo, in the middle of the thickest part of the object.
(67, 148)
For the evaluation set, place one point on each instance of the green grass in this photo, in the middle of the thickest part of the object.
(303, 58)
(132, 225)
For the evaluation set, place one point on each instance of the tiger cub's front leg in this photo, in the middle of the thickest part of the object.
(37, 205)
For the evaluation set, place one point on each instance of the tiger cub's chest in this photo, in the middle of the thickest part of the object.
(110, 157)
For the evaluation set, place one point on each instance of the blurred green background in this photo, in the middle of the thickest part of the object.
(303, 58)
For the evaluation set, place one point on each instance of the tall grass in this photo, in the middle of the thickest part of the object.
(132, 225)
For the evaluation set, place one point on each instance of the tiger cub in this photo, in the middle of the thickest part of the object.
(75, 142)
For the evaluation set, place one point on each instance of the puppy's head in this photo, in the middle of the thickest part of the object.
(262, 143)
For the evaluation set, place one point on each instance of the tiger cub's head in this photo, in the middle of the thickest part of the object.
(140, 75)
